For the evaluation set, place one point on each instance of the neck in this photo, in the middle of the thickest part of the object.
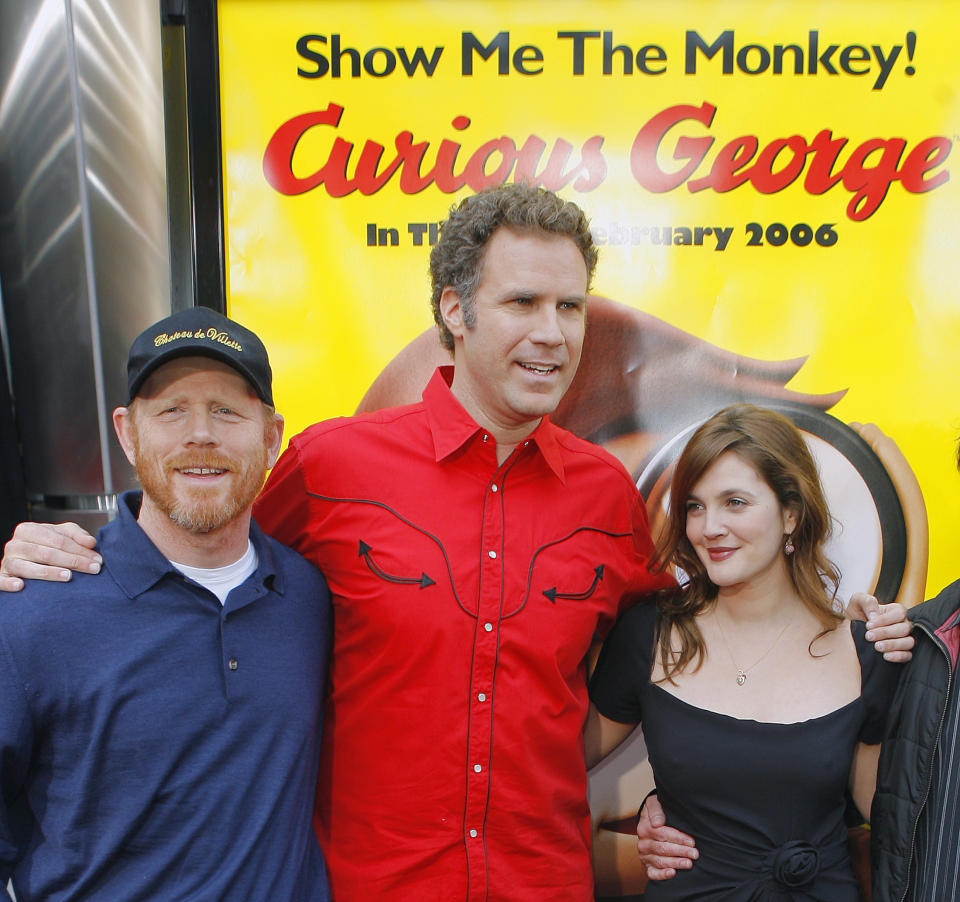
(758, 601)
(215, 548)
(505, 447)
(506, 435)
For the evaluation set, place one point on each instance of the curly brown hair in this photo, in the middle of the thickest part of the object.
(457, 258)
(771, 443)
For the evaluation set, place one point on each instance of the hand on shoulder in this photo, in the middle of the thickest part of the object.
(48, 551)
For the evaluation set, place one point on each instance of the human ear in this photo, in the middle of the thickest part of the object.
(123, 426)
(274, 433)
(452, 311)
(790, 520)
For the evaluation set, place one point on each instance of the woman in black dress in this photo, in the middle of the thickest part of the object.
(761, 704)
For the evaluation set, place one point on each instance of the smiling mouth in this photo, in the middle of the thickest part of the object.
(539, 369)
(201, 471)
(720, 554)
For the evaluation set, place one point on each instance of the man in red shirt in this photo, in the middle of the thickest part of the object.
(473, 551)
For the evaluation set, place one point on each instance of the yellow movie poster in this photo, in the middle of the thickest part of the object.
(771, 186)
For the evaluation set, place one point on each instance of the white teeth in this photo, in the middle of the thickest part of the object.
(201, 471)
(542, 370)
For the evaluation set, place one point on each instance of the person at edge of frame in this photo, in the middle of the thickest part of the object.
(161, 721)
(915, 843)
(473, 551)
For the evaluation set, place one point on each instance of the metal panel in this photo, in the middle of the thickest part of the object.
(83, 228)
(41, 253)
(120, 108)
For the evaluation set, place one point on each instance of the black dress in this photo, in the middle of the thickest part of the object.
(765, 802)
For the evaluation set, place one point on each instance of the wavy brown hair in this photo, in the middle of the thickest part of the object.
(773, 445)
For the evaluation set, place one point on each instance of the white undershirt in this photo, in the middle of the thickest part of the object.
(220, 580)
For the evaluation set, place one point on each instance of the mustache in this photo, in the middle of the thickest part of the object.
(207, 460)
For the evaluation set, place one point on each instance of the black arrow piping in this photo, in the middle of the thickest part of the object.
(409, 523)
(422, 580)
(553, 594)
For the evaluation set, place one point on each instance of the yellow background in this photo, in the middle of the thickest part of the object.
(878, 313)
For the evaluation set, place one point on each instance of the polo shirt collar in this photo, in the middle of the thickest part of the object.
(452, 427)
(137, 565)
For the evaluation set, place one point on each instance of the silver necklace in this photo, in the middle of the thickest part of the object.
(743, 671)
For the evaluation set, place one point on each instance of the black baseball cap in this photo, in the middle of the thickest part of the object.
(199, 331)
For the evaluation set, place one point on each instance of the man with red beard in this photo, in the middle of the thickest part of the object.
(160, 722)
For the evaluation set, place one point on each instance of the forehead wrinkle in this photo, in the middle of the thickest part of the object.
(204, 394)
(192, 367)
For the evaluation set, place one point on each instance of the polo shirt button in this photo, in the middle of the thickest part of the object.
(233, 664)
(525, 444)
(477, 768)
(481, 696)
(491, 554)
(473, 833)
(488, 626)
(485, 437)
(493, 488)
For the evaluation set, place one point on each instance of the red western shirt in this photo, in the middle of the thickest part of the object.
(466, 596)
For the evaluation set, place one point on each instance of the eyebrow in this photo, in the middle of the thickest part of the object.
(726, 493)
(520, 292)
(171, 400)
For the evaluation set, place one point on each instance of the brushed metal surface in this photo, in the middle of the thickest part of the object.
(120, 98)
(41, 252)
(83, 225)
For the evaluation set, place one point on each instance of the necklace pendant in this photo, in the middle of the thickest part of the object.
(741, 677)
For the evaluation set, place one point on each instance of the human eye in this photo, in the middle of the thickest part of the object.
(736, 503)
(570, 305)
(226, 412)
(692, 506)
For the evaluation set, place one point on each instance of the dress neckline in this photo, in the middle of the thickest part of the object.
(749, 720)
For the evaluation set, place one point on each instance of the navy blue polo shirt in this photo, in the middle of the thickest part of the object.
(155, 745)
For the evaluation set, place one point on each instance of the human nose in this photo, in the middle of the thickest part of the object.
(200, 429)
(547, 329)
(713, 523)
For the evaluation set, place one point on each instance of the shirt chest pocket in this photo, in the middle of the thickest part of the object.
(572, 586)
(381, 557)
(583, 568)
